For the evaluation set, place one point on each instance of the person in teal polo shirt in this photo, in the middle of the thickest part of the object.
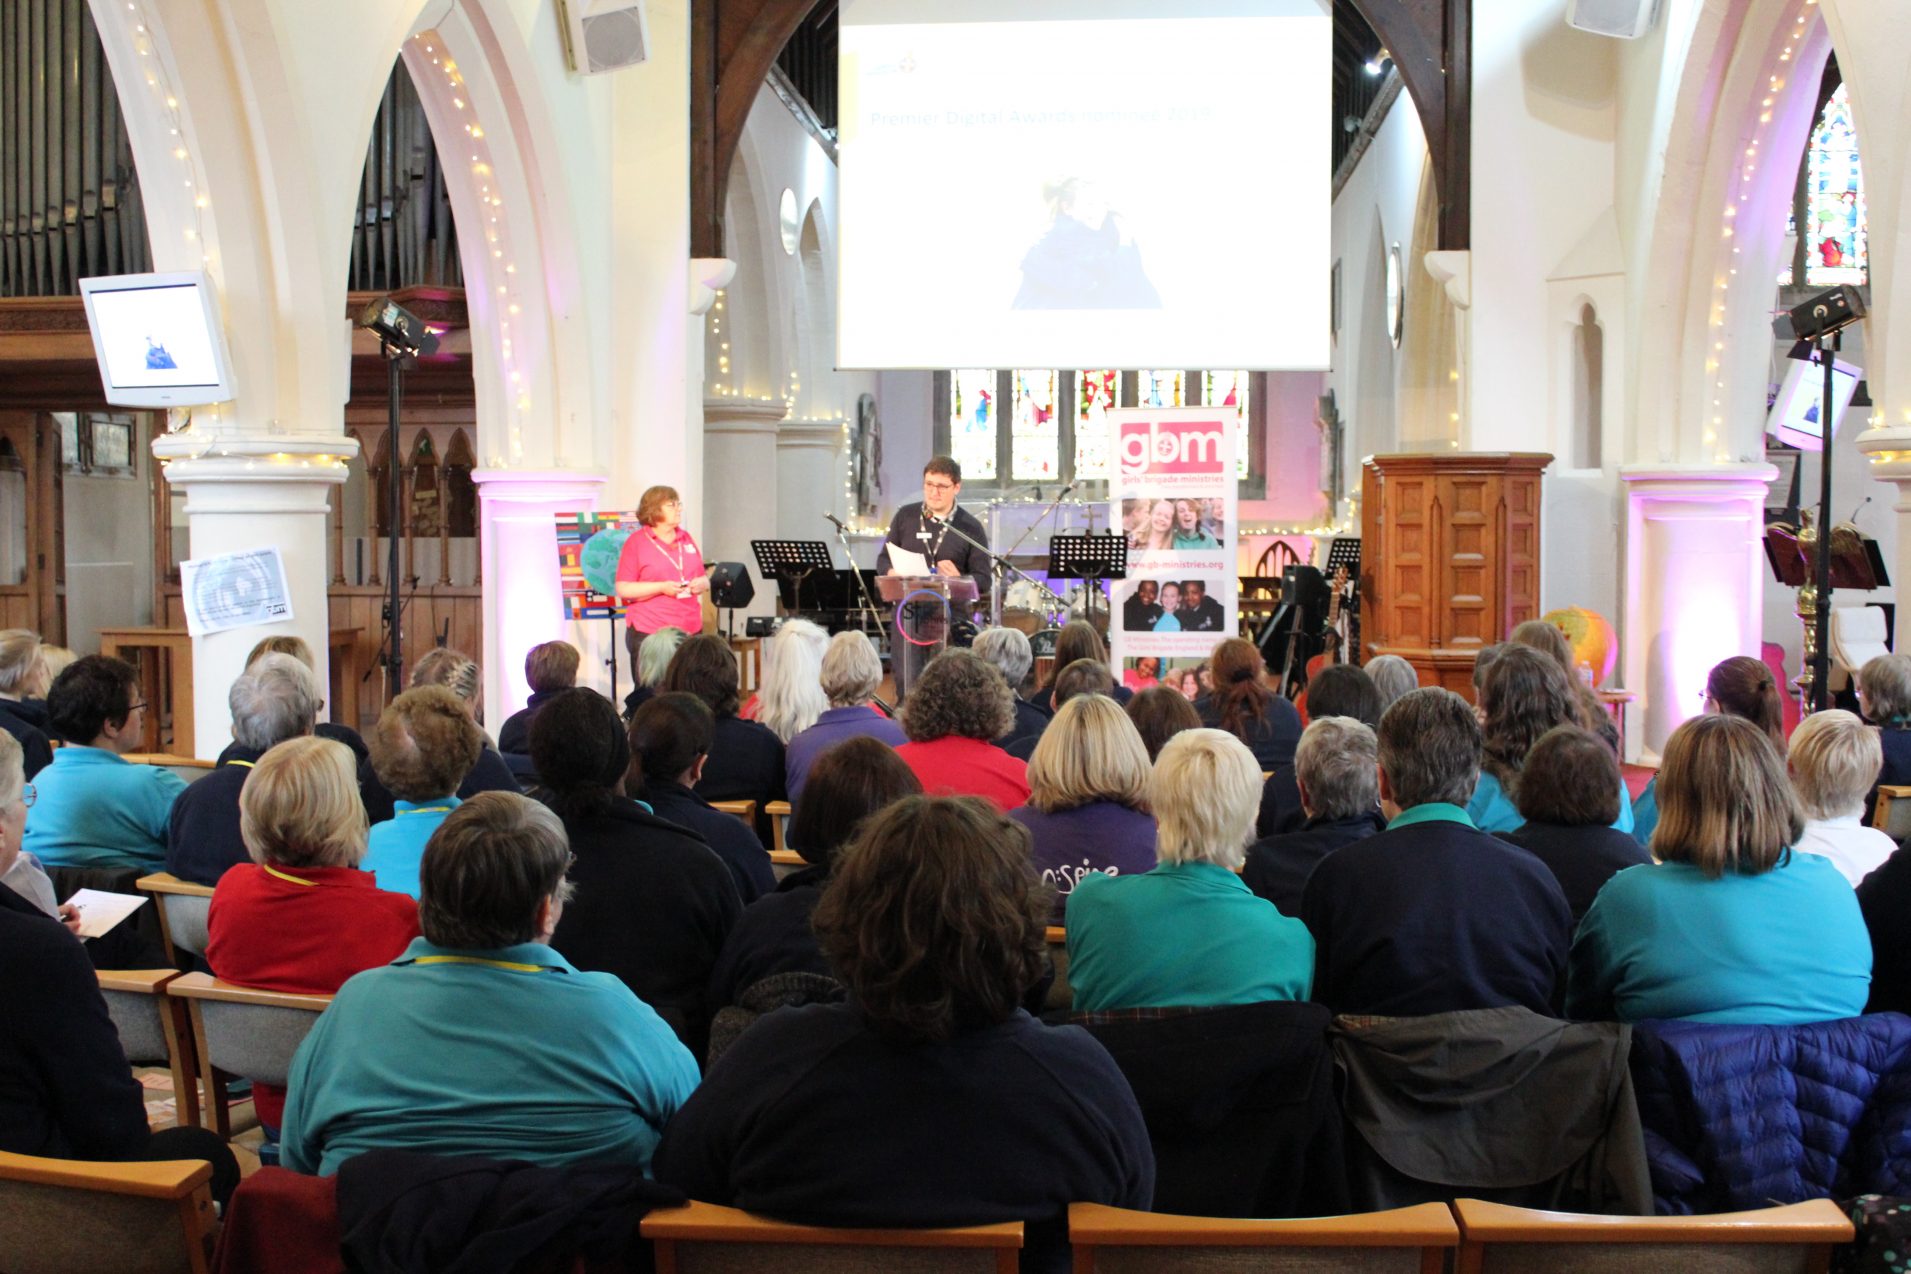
(422, 747)
(480, 1039)
(95, 808)
(1188, 934)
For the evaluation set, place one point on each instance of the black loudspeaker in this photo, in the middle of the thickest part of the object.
(731, 585)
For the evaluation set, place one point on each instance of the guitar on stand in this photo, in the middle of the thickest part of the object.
(1335, 646)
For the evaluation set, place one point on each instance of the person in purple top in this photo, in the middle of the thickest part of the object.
(1085, 811)
(851, 673)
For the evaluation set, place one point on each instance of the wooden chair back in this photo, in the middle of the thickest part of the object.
(62, 1215)
(1794, 1239)
(745, 810)
(183, 908)
(153, 1029)
(779, 813)
(189, 768)
(1061, 996)
(1414, 1240)
(238, 1030)
(703, 1238)
(1893, 813)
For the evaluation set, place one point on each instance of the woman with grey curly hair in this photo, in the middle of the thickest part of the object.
(954, 710)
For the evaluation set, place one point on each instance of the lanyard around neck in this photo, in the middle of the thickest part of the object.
(297, 880)
(513, 966)
(423, 809)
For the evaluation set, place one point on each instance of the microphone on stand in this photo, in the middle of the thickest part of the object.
(836, 522)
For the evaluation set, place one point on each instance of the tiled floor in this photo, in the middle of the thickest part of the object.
(162, 1111)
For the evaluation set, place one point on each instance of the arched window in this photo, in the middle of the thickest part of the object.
(1828, 212)
(972, 412)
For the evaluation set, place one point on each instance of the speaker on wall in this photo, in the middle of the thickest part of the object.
(603, 35)
(1621, 19)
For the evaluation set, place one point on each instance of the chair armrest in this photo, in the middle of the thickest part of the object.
(163, 1179)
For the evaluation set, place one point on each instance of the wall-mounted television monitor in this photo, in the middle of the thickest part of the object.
(159, 339)
(1797, 413)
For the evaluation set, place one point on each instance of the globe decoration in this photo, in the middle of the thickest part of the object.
(598, 559)
(1590, 635)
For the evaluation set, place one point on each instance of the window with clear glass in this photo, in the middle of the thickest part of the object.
(1161, 389)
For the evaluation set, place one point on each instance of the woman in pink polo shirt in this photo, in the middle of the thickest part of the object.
(660, 571)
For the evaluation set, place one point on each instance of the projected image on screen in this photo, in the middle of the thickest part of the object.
(155, 337)
(1086, 183)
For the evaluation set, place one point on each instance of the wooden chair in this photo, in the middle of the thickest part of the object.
(745, 810)
(1893, 813)
(1412, 1240)
(58, 1216)
(183, 907)
(779, 816)
(153, 1029)
(703, 1238)
(189, 768)
(1061, 996)
(1795, 1239)
(237, 1030)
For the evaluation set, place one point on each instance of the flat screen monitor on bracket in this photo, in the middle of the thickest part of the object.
(159, 339)
(1796, 414)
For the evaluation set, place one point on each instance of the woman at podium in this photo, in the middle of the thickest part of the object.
(660, 572)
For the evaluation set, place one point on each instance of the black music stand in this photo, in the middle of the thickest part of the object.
(1344, 551)
(1089, 558)
(789, 563)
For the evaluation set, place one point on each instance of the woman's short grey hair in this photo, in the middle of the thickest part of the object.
(486, 869)
(1884, 683)
(1335, 763)
(1392, 677)
(19, 660)
(654, 655)
(1430, 748)
(1205, 791)
(851, 670)
(273, 700)
(1008, 650)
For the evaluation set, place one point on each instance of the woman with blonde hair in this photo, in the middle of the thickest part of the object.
(1731, 926)
(1834, 759)
(792, 694)
(23, 682)
(1188, 933)
(1157, 531)
(1884, 696)
(1087, 811)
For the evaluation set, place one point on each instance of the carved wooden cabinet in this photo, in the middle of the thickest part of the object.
(1450, 556)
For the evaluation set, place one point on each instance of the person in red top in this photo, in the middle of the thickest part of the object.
(952, 714)
(660, 573)
(302, 917)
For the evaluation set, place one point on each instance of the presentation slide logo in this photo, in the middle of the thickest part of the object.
(1148, 448)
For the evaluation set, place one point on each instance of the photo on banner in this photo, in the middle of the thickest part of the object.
(1174, 489)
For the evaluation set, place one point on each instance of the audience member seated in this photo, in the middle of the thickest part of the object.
(1738, 687)
(952, 715)
(851, 672)
(1434, 915)
(1244, 706)
(1077, 640)
(95, 808)
(670, 741)
(460, 675)
(300, 916)
(480, 1039)
(274, 699)
(653, 660)
(1338, 690)
(1885, 899)
(66, 1089)
(1483, 661)
(1550, 641)
(745, 758)
(851, 781)
(423, 749)
(1834, 762)
(1340, 804)
(1884, 696)
(1083, 677)
(1009, 651)
(288, 644)
(1731, 925)
(1569, 794)
(928, 1098)
(1392, 677)
(1525, 695)
(1188, 934)
(654, 903)
(550, 668)
(1160, 714)
(1087, 809)
(791, 696)
(22, 682)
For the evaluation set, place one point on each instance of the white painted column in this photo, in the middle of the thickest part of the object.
(1694, 579)
(246, 491)
(1888, 447)
(523, 603)
(740, 459)
(809, 478)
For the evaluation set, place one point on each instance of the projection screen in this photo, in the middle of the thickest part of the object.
(1084, 183)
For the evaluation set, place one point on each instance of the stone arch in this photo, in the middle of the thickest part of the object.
(815, 274)
(760, 354)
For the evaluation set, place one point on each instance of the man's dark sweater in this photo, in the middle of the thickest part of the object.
(204, 840)
(1278, 866)
(1435, 916)
(725, 834)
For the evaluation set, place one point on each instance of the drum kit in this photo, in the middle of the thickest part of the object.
(1025, 606)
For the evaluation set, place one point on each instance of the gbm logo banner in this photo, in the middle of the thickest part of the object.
(1152, 447)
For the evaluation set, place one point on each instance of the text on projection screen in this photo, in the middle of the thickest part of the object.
(1057, 184)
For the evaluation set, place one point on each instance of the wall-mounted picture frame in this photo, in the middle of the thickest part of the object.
(98, 445)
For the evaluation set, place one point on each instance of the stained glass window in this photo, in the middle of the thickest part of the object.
(1834, 232)
(1229, 389)
(972, 422)
(1095, 393)
(1035, 445)
(1160, 389)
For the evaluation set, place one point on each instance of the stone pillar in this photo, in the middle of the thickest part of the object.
(247, 491)
(522, 600)
(740, 437)
(1694, 583)
(809, 478)
(1888, 447)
